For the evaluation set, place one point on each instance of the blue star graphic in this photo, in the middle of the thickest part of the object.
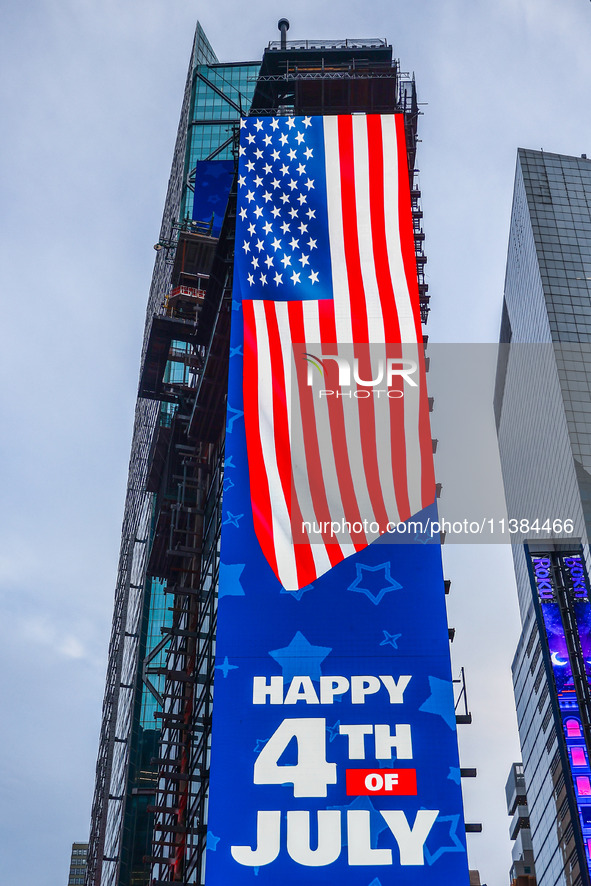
(424, 539)
(236, 352)
(212, 841)
(457, 845)
(390, 639)
(391, 763)
(226, 667)
(297, 595)
(228, 483)
(375, 882)
(300, 658)
(229, 462)
(232, 519)
(260, 744)
(230, 585)
(236, 305)
(333, 731)
(233, 415)
(377, 823)
(373, 592)
(455, 774)
(214, 171)
(441, 701)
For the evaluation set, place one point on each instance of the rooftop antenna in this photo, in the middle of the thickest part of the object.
(283, 26)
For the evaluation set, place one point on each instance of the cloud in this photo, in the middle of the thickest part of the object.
(41, 632)
(72, 648)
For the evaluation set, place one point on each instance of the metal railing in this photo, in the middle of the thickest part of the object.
(369, 43)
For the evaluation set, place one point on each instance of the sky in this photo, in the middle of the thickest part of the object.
(90, 95)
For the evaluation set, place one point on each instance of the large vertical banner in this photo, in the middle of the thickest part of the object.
(562, 593)
(334, 749)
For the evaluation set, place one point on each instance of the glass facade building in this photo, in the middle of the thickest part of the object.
(127, 766)
(150, 807)
(543, 413)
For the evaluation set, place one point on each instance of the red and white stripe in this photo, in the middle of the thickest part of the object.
(323, 460)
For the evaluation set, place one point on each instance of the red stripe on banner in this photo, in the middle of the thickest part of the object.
(398, 446)
(328, 336)
(388, 302)
(305, 566)
(328, 329)
(407, 239)
(378, 228)
(350, 232)
(280, 421)
(408, 255)
(311, 449)
(261, 503)
(427, 466)
(367, 424)
(359, 314)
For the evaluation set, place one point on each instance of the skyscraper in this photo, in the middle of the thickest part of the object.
(127, 766)
(522, 870)
(77, 873)
(543, 412)
(150, 809)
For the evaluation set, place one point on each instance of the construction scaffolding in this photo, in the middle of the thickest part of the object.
(126, 776)
(185, 554)
(110, 794)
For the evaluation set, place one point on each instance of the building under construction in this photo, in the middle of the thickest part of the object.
(149, 814)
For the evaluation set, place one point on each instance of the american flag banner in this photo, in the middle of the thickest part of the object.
(335, 402)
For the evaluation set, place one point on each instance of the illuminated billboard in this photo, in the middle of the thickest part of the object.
(562, 595)
(334, 748)
(325, 278)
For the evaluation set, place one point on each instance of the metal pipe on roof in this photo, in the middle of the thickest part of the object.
(283, 26)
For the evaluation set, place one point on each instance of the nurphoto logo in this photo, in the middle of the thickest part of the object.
(387, 370)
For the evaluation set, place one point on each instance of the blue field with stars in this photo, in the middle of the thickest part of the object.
(282, 242)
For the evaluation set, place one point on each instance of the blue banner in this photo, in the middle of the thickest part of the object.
(334, 751)
(213, 180)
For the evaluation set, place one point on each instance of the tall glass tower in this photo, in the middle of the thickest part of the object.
(127, 766)
(150, 808)
(543, 412)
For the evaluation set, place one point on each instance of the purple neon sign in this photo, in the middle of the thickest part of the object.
(575, 569)
(542, 571)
